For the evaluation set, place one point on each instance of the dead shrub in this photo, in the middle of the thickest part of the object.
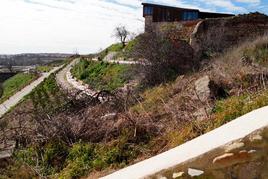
(163, 59)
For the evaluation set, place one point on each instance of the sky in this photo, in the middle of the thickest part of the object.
(86, 26)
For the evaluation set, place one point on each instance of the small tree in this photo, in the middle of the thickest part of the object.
(121, 33)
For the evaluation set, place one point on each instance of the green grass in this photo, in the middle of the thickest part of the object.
(101, 75)
(58, 160)
(44, 69)
(236, 106)
(257, 51)
(113, 48)
(123, 52)
(48, 96)
(153, 98)
(224, 111)
(15, 84)
(58, 62)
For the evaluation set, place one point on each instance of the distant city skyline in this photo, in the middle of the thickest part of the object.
(85, 26)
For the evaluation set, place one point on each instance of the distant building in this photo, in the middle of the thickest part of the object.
(156, 14)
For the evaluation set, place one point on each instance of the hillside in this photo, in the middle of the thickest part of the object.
(169, 97)
(15, 84)
(158, 119)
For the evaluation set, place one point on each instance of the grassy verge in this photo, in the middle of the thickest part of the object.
(121, 52)
(47, 96)
(15, 84)
(56, 159)
(223, 112)
(101, 75)
(61, 161)
(113, 48)
(44, 69)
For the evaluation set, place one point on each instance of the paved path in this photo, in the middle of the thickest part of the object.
(16, 98)
(71, 84)
(61, 76)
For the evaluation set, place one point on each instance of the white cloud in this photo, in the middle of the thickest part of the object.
(179, 3)
(249, 1)
(62, 26)
(86, 25)
(227, 5)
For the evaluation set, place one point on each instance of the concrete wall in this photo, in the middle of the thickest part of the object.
(217, 35)
(235, 150)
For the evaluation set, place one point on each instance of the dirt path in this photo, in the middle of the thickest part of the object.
(16, 98)
(61, 76)
(72, 85)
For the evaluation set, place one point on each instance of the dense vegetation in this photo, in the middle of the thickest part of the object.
(102, 75)
(55, 155)
(71, 138)
(113, 48)
(44, 68)
(242, 77)
(62, 161)
(15, 84)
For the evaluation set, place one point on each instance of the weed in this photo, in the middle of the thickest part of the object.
(101, 75)
(44, 69)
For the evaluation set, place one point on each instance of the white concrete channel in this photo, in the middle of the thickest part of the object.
(232, 131)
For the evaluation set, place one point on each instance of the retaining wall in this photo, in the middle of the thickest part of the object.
(217, 35)
(235, 150)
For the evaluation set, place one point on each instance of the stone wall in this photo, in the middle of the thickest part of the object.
(181, 29)
(216, 35)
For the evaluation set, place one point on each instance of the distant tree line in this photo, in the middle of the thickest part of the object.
(30, 59)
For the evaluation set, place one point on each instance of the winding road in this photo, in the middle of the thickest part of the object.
(62, 78)
(71, 84)
(16, 98)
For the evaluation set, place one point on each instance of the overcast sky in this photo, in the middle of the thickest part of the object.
(85, 26)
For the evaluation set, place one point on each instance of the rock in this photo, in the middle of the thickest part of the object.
(207, 89)
(162, 177)
(252, 151)
(255, 138)
(223, 158)
(110, 56)
(194, 172)
(230, 159)
(202, 114)
(178, 175)
(234, 147)
(257, 141)
(109, 116)
(6, 150)
(202, 88)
